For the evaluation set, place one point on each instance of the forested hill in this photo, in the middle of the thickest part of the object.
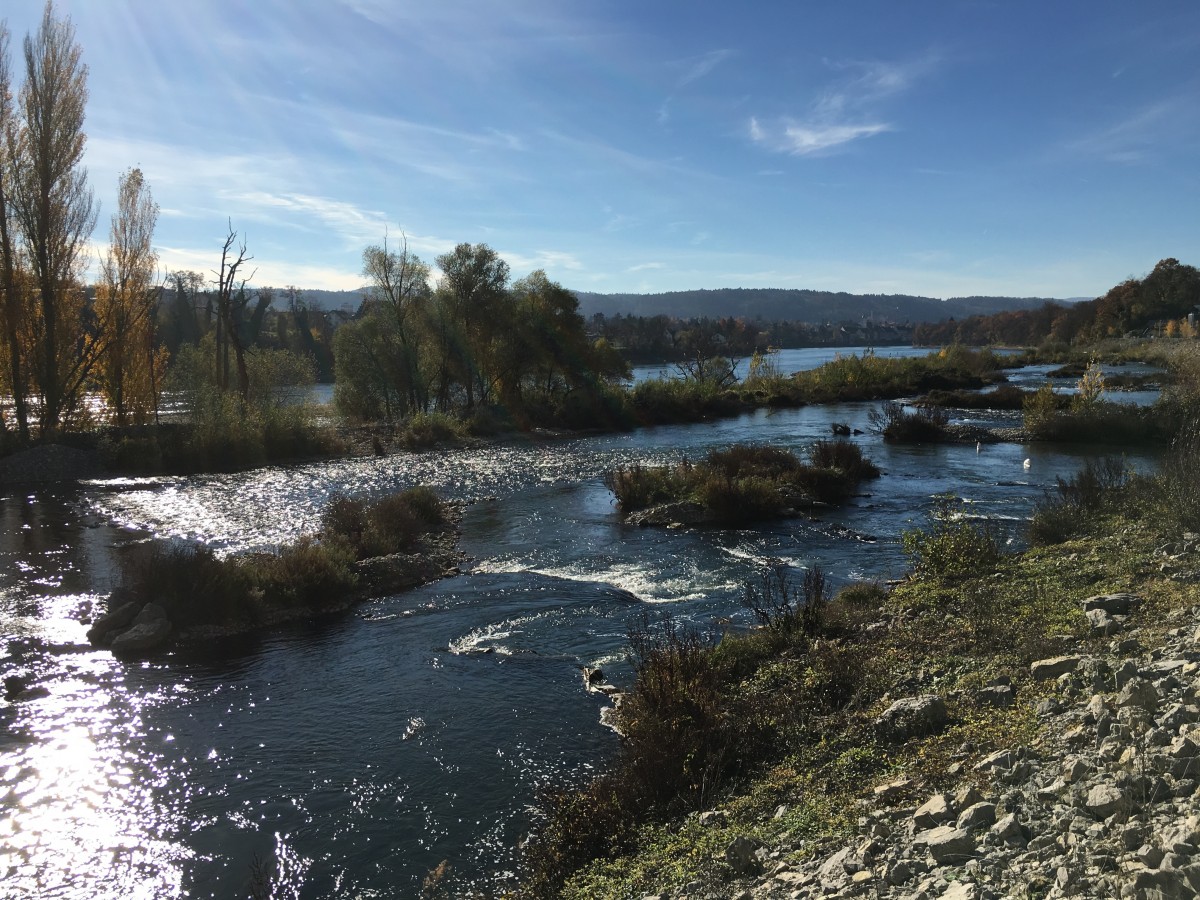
(768, 304)
(792, 305)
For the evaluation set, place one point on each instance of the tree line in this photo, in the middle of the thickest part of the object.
(1170, 292)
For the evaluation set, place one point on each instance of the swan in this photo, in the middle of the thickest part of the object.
(1028, 464)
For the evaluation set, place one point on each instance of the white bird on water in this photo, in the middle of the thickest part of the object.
(1028, 464)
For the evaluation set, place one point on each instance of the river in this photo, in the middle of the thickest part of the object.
(351, 756)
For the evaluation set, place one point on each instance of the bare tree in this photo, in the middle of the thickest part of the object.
(52, 201)
(230, 305)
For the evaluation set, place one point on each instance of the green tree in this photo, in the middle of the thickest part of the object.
(473, 294)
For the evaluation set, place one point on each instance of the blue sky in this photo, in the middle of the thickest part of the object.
(937, 148)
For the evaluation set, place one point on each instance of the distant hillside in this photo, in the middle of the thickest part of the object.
(779, 305)
(767, 304)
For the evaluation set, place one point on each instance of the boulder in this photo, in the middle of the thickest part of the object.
(933, 812)
(912, 717)
(1054, 667)
(947, 844)
(1102, 623)
(1105, 799)
(998, 695)
(142, 637)
(114, 620)
(979, 815)
(1120, 604)
(960, 890)
(741, 854)
(1139, 693)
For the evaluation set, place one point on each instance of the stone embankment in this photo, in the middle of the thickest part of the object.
(1105, 803)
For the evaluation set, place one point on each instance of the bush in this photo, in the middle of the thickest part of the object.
(1076, 502)
(639, 487)
(392, 524)
(777, 605)
(305, 574)
(925, 425)
(424, 430)
(189, 581)
(952, 546)
(844, 457)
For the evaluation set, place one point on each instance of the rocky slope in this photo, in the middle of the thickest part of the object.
(1103, 803)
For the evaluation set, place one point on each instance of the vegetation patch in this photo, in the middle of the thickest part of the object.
(203, 595)
(741, 484)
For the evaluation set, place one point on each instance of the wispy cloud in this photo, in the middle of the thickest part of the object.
(800, 139)
(697, 67)
(1138, 136)
(644, 267)
(843, 112)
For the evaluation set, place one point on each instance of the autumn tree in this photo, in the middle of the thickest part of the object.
(53, 209)
(11, 302)
(130, 367)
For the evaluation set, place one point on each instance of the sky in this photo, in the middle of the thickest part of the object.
(937, 148)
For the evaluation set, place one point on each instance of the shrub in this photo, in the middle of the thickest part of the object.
(742, 460)
(737, 500)
(391, 524)
(843, 456)
(779, 606)
(189, 581)
(952, 546)
(1075, 502)
(924, 425)
(306, 573)
(424, 430)
(638, 487)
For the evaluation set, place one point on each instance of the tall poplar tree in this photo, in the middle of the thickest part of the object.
(129, 367)
(54, 208)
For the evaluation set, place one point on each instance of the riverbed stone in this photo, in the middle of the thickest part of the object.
(142, 637)
(114, 620)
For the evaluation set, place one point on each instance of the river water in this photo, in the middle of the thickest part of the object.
(347, 758)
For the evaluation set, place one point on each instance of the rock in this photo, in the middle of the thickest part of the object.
(114, 620)
(1102, 623)
(947, 844)
(966, 796)
(999, 695)
(713, 818)
(897, 872)
(741, 854)
(912, 717)
(1009, 830)
(998, 761)
(839, 865)
(1138, 692)
(933, 812)
(1105, 799)
(1120, 604)
(1052, 668)
(960, 890)
(143, 637)
(979, 815)
(150, 614)
(891, 793)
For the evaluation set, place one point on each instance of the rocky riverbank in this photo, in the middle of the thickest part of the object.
(1105, 802)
